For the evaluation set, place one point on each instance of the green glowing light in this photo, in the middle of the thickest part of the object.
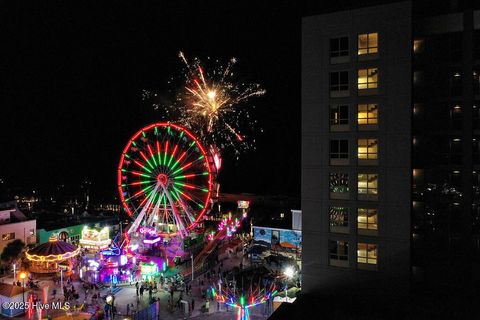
(170, 161)
(150, 165)
(154, 161)
(177, 171)
(146, 169)
(175, 196)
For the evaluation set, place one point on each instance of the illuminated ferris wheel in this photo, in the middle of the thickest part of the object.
(165, 180)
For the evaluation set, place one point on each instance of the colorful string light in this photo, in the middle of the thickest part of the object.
(244, 302)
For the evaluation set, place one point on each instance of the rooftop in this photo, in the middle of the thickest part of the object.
(8, 290)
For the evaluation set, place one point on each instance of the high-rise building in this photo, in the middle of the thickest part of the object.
(390, 150)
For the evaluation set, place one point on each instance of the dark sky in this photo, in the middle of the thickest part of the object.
(71, 77)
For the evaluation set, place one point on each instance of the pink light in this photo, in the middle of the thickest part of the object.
(148, 241)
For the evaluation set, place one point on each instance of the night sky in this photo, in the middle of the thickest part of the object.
(71, 78)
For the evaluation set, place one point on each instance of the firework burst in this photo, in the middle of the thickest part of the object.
(213, 104)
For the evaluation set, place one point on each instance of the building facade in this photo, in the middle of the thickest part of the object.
(446, 148)
(391, 151)
(15, 226)
(356, 149)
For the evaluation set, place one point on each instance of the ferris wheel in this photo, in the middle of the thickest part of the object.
(165, 180)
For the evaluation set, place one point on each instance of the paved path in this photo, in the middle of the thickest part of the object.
(127, 295)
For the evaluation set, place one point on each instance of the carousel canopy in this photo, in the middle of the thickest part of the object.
(53, 250)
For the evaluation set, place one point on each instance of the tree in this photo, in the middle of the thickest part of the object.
(12, 251)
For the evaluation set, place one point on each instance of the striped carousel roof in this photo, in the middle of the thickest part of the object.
(53, 250)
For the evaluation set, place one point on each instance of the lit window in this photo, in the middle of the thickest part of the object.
(339, 81)
(367, 149)
(368, 78)
(367, 219)
(339, 47)
(367, 43)
(418, 45)
(338, 250)
(367, 114)
(338, 217)
(367, 253)
(338, 149)
(8, 236)
(368, 183)
(338, 115)
(339, 183)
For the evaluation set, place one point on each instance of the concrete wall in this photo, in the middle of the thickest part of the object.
(22, 232)
(393, 24)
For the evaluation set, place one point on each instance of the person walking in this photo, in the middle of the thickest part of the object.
(193, 304)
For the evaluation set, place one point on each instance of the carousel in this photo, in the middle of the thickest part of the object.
(51, 256)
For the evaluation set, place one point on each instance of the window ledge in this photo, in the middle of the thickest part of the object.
(368, 56)
(367, 127)
(368, 92)
(368, 162)
(338, 229)
(366, 266)
(368, 197)
(339, 263)
(367, 232)
(339, 162)
(339, 127)
(342, 59)
(340, 196)
(339, 94)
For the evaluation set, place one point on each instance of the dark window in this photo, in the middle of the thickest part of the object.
(338, 250)
(339, 47)
(338, 115)
(338, 149)
(339, 81)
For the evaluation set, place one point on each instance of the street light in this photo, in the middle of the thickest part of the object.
(61, 278)
(289, 272)
(23, 276)
(191, 257)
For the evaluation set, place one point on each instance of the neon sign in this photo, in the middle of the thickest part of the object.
(115, 251)
(146, 230)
